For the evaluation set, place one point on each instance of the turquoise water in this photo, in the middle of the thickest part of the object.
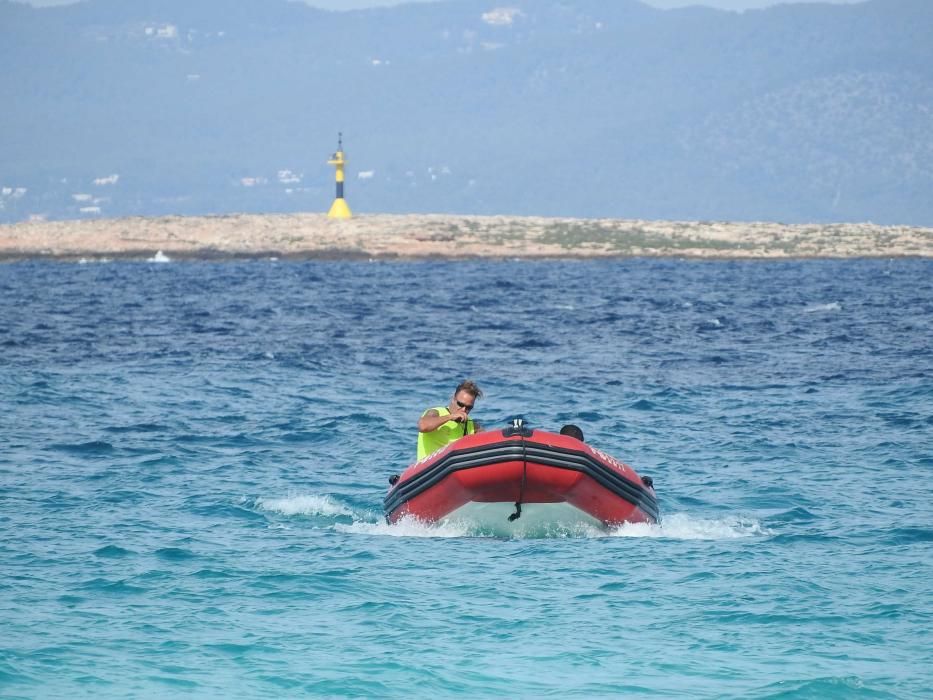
(193, 458)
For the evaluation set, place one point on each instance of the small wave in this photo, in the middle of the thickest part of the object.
(681, 526)
(10, 674)
(137, 428)
(93, 447)
(710, 324)
(798, 514)
(308, 436)
(121, 587)
(310, 504)
(532, 343)
(112, 551)
(816, 308)
(910, 535)
(174, 554)
(827, 687)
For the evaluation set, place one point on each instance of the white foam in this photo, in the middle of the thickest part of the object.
(681, 526)
(159, 257)
(831, 306)
(412, 527)
(406, 527)
(305, 505)
(677, 526)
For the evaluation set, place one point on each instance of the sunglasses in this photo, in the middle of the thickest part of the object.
(466, 406)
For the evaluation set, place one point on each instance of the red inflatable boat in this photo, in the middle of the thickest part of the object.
(519, 477)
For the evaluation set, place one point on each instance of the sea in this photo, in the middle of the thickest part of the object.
(194, 455)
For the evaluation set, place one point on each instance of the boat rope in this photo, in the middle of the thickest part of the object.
(521, 491)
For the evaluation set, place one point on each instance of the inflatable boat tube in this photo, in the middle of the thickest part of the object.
(521, 476)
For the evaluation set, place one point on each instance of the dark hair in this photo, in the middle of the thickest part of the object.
(469, 386)
(572, 431)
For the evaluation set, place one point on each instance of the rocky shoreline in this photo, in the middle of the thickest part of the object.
(426, 236)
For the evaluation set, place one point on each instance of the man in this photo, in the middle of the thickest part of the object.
(442, 425)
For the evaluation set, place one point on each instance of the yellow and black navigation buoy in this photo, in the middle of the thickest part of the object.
(339, 209)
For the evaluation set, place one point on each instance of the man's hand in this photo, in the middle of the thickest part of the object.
(459, 416)
(432, 421)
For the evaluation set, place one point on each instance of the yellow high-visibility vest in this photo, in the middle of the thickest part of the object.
(429, 443)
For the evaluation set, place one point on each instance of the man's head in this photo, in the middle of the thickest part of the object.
(465, 395)
(572, 431)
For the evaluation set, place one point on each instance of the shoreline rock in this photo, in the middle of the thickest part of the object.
(443, 236)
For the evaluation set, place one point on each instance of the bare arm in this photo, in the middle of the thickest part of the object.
(432, 420)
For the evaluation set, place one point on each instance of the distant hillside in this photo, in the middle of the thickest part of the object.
(436, 236)
(577, 108)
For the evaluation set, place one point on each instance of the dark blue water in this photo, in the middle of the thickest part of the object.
(193, 458)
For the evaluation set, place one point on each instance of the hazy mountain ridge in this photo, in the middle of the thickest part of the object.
(574, 108)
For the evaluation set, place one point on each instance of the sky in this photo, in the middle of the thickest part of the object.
(666, 4)
(737, 4)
